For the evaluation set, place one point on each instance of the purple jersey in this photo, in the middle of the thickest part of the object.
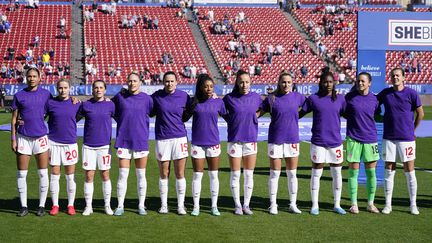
(204, 124)
(62, 122)
(241, 118)
(399, 113)
(31, 107)
(169, 109)
(326, 119)
(284, 117)
(360, 112)
(98, 123)
(132, 115)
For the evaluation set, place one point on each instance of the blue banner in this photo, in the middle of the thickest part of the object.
(374, 63)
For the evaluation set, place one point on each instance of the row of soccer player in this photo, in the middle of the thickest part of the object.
(241, 108)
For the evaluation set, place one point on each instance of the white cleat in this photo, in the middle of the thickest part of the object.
(87, 211)
(294, 209)
(181, 211)
(108, 211)
(414, 210)
(163, 210)
(386, 210)
(273, 209)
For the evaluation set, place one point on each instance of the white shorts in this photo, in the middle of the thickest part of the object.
(172, 149)
(286, 150)
(405, 150)
(201, 152)
(63, 154)
(124, 153)
(96, 157)
(29, 146)
(321, 155)
(237, 150)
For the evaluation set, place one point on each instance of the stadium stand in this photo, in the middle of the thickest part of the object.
(266, 26)
(29, 23)
(140, 48)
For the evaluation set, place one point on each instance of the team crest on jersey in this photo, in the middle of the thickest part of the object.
(350, 155)
(195, 152)
(21, 148)
(271, 152)
(232, 151)
(85, 163)
(119, 152)
(314, 157)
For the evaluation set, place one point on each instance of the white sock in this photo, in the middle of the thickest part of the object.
(163, 189)
(214, 187)
(235, 187)
(273, 183)
(248, 186)
(22, 186)
(88, 193)
(106, 190)
(292, 186)
(196, 188)
(181, 191)
(71, 189)
(315, 186)
(122, 186)
(55, 189)
(141, 186)
(336, 173)
(43, 186)
(412, 186)
(388, 186)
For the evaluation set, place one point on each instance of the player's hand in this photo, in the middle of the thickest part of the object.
(20, 122)
(14, 145)
(75, 100)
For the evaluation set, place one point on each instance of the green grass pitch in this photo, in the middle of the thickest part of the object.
(260, 227)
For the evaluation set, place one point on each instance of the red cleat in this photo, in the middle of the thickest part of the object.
(54, 210)
(71, 210)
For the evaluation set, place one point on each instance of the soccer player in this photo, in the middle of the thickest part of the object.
(96, 151)
(171, 140)
(205, 139)
(132, 108)
(243, 107)
(400, 103)
(62, 137)
(283, 139)
(327, 107)
(30, 137)
(361, 140)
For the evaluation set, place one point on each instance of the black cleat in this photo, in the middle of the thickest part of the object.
(40, 212)
(23, 212)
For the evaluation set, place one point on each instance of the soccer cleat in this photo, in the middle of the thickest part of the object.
(108, 210)
(372, 209)
(23, 212)
(314, 211)
(215, 211)
(87, 211)
(339, 210)
(119, 212)
(71, 210)
(142, 211)
(294, 209)
(273, 209)
(195, 211)
(181, 211)
(247, 210)
(40, 212)
(414, 210)
(54, 210)
(354, 209)
(386, 210)
(163, 210)
(238, 211)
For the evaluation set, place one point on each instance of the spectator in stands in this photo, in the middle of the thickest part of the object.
(352, 63)
(29, 55)
(193, 71)
(88, 68)
(342, 77)
(62, 34)
(60, 69)
(11, 53)
(211, 15)
(279, 49)
(232, 45)
(62, 22)
(118, 72)
(2, 96)
(93, 52)
(87, 14)
(251, 70)
(45, 58)
(49, 70)
(7, 26)
(340, 51)
(165, 58)
(36, 41)
(30, 4)
(187, 71)
(202, 70)
(321, 49)
(258, 70)
(241, 17)
(113, 8)
(147, 76)
(87, 51)
(156, 23)
(94, 70)
(304, 71)
(419, 66)
(3, 70)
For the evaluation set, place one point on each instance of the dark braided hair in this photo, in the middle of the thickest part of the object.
(323, 91)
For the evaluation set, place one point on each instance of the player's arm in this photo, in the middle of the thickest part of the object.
(260, 113)
(418, 117)
(302, 113)
(14, 120)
